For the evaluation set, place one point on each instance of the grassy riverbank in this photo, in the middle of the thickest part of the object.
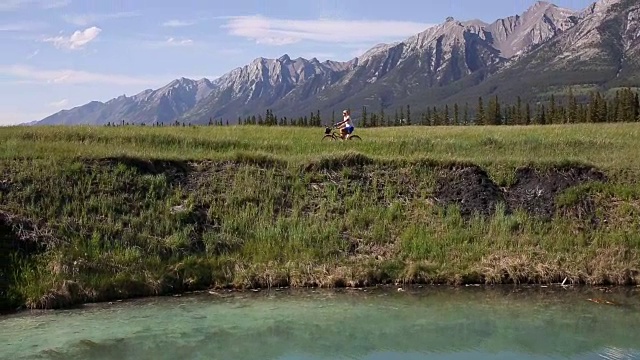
(95, 214)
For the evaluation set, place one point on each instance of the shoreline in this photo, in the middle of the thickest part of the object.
(70, 295)
(598, 295)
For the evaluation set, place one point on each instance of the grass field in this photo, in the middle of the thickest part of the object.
(137, 211)
(604, 145)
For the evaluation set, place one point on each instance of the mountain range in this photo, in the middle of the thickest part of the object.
(542, 51)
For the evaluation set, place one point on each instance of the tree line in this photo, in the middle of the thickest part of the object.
(624, 106)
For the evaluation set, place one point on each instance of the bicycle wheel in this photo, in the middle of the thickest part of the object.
(328, 138)
(355, 137)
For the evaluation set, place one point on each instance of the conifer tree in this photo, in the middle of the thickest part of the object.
(636, 108)
(552, 110)
(627, 106)
(602, 109)
(517, 120)
(509, 113)
(445, 116)
(374, 120)
(456, 114)
(465, 117)
(364, 116)
(480, 118)
(572, 114)
(592, 110)
(497, 119)
(435, 117)
(493, 116)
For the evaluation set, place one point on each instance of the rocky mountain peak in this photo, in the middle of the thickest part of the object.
(598, 8)
(515, 35)
(540, 5)
(204, 82)
(284, 58)
(181, 82)
(474, 23)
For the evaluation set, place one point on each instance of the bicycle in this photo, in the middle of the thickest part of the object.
(330, 135)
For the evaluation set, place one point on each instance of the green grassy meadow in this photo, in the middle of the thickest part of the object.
(604, 145)
(103, 213)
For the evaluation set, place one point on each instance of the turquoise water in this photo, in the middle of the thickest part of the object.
(350, 324)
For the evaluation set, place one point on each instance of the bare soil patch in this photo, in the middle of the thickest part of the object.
(534, 190)
(470, 188)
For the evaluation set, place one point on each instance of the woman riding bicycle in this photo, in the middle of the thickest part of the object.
(346, 127)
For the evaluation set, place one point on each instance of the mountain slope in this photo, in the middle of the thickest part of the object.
(150, 106)
(454, 61)
(432, 64)
(251, 89)
(602, 51)
(436, 57)
(516, 35)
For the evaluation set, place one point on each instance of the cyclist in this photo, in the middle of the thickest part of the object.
(346, 126)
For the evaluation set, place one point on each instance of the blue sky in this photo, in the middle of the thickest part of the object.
(58, 54)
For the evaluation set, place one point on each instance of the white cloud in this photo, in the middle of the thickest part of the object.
(273, 31)
(88, 19)
(22, 26)
(28, 74)
(177, 23)
(176, 42)
(77, 40)
(12, 5)
(53, 4)
(33, 54)
(59, 104)
(170, 42)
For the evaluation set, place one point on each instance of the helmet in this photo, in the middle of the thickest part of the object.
(345, 112)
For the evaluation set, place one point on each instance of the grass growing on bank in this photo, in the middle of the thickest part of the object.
(285, 212)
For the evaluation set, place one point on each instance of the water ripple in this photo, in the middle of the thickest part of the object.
(613, 353)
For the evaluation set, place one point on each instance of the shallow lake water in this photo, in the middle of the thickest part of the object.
(428, 323)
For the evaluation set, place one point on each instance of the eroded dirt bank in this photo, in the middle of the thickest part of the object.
(99, 230)
(534, 191)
